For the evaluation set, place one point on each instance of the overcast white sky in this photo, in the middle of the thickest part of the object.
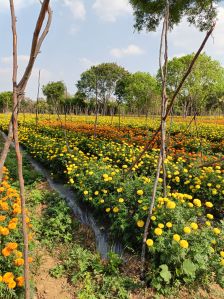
(87, 32)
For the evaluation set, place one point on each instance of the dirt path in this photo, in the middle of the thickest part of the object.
(48, 287)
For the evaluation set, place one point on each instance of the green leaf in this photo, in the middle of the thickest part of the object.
(165, 273)
(189, 267)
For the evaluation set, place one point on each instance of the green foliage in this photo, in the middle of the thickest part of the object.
(200, 87)
(139, 90)
(148, 14)
(56, 221)
(5, 101)
(54, 91)
(99, 82)
(99, 279)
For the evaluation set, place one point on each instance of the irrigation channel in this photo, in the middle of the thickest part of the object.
(104, 244)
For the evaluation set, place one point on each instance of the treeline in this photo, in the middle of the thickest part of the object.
(109, 89)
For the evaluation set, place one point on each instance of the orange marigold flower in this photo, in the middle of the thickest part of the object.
(19, 262)
(7, 277)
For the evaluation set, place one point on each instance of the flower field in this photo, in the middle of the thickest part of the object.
(186, 238)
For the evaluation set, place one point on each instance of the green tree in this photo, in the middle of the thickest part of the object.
(148, 14)
(99, 82)
(139, 91)
(205, 82)
(55, 93)
(5, 101)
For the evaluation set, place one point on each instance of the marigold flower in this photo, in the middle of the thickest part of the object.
(210, 216)
(6, 251)
(140, 192)
(197, 202)
(222, 253)
(149, 242)
(19, 262)
(217, 231)
(208, 204)
(176, 237)
(187, 230)
(107, 210)
(12, 226)
(194, 226)
(140, 223)
(160, 225)
(12, 284)
(4, 231)
(158, 231)
(115, 210)
(169, 224)
(153, 218)
(20, 281)
(7, 277)
(183, 244)
(222, 262)
(171, 205)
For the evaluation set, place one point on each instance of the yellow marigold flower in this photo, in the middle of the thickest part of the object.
(216, 231)
(183, 244)
(222, 253)
(208, 204)
(115, 210)
(153, 218)
(158, 231)
(187, 230)
(176, 237)
(197, 202)
(160, 225)
(121, 200)
(12, 226)
(107, 210)
(149, 242)
(12, 284)
(119, 190)
(169, 224)
(85, 192)
(140, 192)
(140, 223)
(0, 278)
(19, 262)
(96, 192)
(194, 226)
(222, 262)
(71, 181)
(2, 218)
(171, 205)
(210, 216)
(208, 223)
(190, 204)
(4, 231)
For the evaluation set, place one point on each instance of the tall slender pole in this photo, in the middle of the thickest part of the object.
(37, 102)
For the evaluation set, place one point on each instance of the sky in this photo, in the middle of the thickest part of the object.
(89, 32)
